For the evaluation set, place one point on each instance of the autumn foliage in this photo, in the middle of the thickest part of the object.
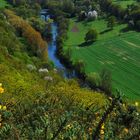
(38, 45)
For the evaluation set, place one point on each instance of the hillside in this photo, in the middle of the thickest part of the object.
(26, 93)
(36, 100)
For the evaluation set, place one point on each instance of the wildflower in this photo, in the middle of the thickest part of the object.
(110, 98)
(137, 114)
(69, 126)
(102, 132)
(1, 90)
(90, 131)
(103, 126)
(4, 108)
(136, 104)
(125, 130)
(0, 107)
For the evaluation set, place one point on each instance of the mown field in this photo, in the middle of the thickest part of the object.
(118, 51)
(124, 3)
(3, 3)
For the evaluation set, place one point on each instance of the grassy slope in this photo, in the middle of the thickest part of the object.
(118, 53)
(18, 80)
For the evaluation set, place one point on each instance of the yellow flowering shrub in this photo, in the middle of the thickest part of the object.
(1, 89)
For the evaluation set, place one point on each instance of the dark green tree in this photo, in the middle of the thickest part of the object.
(91, 35)
(106, 80)
(111, 22)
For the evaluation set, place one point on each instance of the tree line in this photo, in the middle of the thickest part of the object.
(37, 44)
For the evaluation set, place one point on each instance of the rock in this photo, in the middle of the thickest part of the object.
(43, 70)
(31, 67)
(48, 78)
(55, 70)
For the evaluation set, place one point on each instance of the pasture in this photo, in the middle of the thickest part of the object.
(124, 3)
(115, 50)
(3, 3)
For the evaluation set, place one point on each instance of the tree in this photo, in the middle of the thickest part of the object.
(91, 35)
(80, 68)
(106, 80)
(68, 6)
(93, 80)
(111, 22)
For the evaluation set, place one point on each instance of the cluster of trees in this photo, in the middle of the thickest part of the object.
(37, 44)
(102, 81)
(112, 8)
(131, 14)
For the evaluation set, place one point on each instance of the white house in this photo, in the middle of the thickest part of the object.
(92, 14)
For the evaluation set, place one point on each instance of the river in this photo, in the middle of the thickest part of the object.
(52, 48)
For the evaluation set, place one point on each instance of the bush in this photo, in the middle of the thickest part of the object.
(106, 80)
(93, 80)
(91, 35)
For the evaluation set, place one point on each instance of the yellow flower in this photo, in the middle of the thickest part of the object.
(69, 126)
(103, 126)
(0, 106)
(1, 90)
(90, 131)
(4, 108)
(102, 132)
(136, 104)
(125, 130)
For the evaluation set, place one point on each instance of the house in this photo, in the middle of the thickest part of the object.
(92, 14)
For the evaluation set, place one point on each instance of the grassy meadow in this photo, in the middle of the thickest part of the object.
(124, 3)
(116, 50)
(3, 3)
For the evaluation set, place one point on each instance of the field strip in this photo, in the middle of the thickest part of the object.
(126, 87)
(91, 54)
(132, 44)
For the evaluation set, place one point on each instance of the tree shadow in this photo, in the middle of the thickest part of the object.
(126, 29)
(105, 31)
(86, 44)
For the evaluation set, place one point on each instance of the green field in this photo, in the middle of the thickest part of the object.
(119, 52)
(3, 3)
(124, 3)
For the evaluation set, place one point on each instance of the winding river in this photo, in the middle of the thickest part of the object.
(52, 47)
